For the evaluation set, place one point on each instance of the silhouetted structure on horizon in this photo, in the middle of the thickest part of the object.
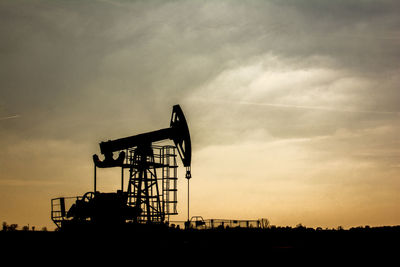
(151, 194)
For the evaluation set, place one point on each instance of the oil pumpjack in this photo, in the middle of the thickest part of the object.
(150, 197)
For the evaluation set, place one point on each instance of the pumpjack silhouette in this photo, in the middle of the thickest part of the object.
(151, 193)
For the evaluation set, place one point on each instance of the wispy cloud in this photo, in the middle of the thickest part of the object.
(9, 117)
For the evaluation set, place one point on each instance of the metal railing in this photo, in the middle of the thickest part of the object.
(197, 222)
(59, 208)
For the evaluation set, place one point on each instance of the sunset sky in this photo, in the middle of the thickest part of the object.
(293, 106)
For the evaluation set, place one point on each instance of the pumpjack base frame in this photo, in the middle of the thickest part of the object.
(159, 171)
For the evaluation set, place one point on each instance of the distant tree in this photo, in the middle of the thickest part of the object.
(5, 226)
(264, 223)
(340, 228)
(44, 229)
(25, 228)
(12, 227)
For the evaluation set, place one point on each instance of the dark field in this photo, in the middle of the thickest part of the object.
(236, 240)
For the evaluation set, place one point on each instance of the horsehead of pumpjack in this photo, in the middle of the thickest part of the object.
(178, 132)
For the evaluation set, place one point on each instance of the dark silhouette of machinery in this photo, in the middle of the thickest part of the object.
(151, 192)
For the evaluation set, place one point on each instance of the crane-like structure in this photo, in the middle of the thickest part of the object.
(148, 198)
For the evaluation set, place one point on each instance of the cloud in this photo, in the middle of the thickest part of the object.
(103, 61)
(91, 71)
(9, 117)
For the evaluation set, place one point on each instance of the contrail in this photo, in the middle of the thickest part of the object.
(10, 117)
(318, 108)
(311, 107)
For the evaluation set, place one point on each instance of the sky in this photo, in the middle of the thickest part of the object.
(292, 106)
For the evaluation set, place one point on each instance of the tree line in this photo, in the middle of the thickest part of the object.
(14, 227)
